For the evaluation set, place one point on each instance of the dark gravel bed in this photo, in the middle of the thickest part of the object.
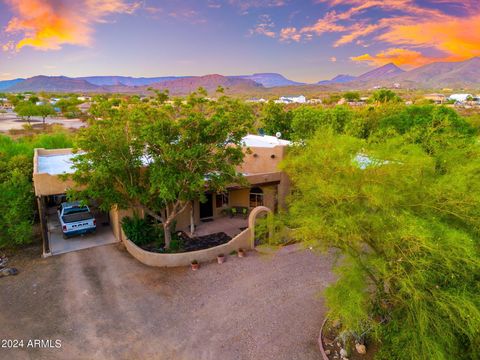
(203, 242)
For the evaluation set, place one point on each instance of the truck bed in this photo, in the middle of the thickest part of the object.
(81, 216)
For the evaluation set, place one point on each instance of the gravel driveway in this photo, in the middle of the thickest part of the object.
(102, 304)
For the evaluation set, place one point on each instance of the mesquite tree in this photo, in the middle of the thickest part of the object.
(403, 214)
(161, 157)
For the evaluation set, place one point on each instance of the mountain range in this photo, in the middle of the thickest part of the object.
(464, 74)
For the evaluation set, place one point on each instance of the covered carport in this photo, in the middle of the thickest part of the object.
(49, 170)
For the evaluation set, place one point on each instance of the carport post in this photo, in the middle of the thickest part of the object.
(42, 213)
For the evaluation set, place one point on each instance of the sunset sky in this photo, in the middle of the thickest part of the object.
(308, 40)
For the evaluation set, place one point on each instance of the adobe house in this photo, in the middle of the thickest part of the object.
(266, 186)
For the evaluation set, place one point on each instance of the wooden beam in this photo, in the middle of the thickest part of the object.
(42, 214)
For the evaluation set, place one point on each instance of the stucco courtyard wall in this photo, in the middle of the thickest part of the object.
(242, 240)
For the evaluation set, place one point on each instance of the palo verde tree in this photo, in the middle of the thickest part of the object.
(406, 231)
(45, 111)
(161, 158)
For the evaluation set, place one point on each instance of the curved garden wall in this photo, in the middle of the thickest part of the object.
(242, 240)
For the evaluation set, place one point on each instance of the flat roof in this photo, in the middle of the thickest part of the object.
(55, 164)
(264, 141)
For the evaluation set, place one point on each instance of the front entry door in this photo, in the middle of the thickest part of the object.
(206, 208)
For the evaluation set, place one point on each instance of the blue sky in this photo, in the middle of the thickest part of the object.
(304, 40)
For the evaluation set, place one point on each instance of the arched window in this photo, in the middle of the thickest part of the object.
(256, 197)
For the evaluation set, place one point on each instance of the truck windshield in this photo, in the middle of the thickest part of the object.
(75, 210)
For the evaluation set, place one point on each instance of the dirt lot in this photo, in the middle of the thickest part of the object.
(10, 121)
(102, 304)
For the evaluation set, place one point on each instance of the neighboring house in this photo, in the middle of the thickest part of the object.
(300, 99)
(461, 98)
(436, 98)
(84, 107)
(266, 184)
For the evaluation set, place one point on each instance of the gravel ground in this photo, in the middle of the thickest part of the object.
(103, 304)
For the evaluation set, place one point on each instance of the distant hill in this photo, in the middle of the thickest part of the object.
(455, 75)
(383, 72)
(8, 83)
(339, 79)
(210, 83)
(269, 80)
(54, 84)
(378, 74)
(126, 80)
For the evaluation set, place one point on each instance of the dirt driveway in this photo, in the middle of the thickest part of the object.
(102, 304)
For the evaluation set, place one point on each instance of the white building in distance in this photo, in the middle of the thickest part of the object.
(292, 100)
(461, 98)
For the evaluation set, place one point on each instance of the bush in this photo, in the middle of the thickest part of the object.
(17, 202)
(139, 230)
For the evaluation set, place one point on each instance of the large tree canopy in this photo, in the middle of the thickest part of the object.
(162, 157)
(401, 204)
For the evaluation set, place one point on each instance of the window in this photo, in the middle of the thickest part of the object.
(221, 200)
(256, 197)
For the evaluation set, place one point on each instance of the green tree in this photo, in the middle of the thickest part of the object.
(161, 158)
(351, 96)
(45, 111)
(407, 231)
(275, 118)
(26, 109)
(17, 203)
(307, 120)
(34, 99)
(383, 96)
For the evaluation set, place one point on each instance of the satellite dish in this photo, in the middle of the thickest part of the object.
(278, 135)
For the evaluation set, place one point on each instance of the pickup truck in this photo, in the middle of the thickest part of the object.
(75, 219)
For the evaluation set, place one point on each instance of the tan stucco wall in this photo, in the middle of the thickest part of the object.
(240, 197)
(242, 240)
(262, 160)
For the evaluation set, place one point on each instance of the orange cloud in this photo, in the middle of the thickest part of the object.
(290, 34)
(418, 29)
(457, 38)
(48, 25)
(396, 56)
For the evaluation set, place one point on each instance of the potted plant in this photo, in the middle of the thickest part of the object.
(241, 253)
(233, 212)
(195, 265)
(221, 259)
(245, 213)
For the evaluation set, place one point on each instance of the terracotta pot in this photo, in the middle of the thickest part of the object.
(195, 266)
(241, 253)
(220, 259)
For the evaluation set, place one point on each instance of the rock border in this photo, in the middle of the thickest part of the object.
(320, 342)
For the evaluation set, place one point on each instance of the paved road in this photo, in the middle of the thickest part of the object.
(103, 304)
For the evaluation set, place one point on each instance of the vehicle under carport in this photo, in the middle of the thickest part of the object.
(50, 189)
